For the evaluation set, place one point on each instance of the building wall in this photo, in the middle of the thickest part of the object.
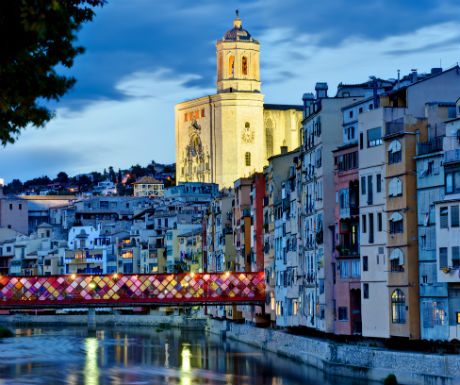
(14, 214)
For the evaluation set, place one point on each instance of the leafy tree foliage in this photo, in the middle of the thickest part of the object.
(62, 177)
(38, 36)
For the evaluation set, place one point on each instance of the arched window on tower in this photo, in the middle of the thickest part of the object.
(244, 65)
(269, 138)
(247, 158)
(219, 71)
(398, 307)
(231, 64)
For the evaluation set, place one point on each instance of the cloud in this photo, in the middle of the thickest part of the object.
(137, 129)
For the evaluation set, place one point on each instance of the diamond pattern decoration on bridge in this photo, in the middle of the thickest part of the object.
(142, 288)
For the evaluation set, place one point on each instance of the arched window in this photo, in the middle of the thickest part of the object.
(394, 152)
(244, 65)
(269, 137)
(231, 65)
(395, 187)
(220, 67)
(398, 307)
(247, 158)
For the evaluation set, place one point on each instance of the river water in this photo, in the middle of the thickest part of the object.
(140, 355)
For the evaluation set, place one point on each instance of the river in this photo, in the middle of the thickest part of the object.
(140, 355)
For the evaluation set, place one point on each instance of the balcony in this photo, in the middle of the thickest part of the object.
(392, 128)
(430, 146)
(452, 156)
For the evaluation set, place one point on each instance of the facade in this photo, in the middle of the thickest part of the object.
(14, 214)
(148, 187)
(229, 135)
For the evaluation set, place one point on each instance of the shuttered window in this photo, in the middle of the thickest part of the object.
(442, 257)
(395, 187)
(455, 257)
(454, 218)
(444, 217)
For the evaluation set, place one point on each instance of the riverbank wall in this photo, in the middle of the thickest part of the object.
(354, 361)
(154, 320)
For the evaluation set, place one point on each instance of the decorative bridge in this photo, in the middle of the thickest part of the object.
(131, 289)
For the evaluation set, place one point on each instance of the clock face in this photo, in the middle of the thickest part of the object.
(248, 135)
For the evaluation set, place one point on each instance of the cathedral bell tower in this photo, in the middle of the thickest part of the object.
(238, 61)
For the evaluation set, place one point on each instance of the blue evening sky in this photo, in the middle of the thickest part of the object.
(143, 56)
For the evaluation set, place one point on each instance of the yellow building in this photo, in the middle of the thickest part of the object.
(223, 137)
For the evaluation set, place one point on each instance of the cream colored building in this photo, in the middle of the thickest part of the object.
(148, 187)
(223, 137)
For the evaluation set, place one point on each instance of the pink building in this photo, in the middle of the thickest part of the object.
(346, 260)
(14, 214)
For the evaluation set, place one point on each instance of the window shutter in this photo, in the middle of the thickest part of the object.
(454, 218)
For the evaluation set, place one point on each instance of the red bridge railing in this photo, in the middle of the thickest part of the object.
(124, 289)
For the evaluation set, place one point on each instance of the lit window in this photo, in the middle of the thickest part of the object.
(244, 65)
(231, 63)
(398, 307)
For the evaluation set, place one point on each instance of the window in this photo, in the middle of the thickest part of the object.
(455, 257)
(379, 221)
(365, 290)
(365, 263)
(454, 216)
(20, 206)
(351, 114)
(397, 260)
(344, 269)
(355, 269)
(11, 206)
(363, 223)
(458, 314)
(363, 185)
(452, 182)
(395, 187)
(369, 190)
(379, 183)
(269, 137)
(394, 152)
(343, 313)
(231, 63)
(374, 137)
(398, 307)
(247, 158)
(442, 257)
(244, 65)
(443, 217)
(396, 223)
(361, 140)
(371, 228)
(360, 110)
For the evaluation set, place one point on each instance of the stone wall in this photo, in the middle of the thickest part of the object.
(347, 360)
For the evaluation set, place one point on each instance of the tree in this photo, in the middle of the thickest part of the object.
(62, 177)
(41, 35)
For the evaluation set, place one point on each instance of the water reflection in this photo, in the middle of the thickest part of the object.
(91, 371)
(143, 355)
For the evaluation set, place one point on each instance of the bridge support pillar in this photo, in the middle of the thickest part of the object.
(92, 319)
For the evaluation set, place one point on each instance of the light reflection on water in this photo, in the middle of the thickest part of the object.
(118, 356)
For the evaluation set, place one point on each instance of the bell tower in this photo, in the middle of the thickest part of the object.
(238, 61)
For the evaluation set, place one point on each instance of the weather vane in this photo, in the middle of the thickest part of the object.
(236, 13)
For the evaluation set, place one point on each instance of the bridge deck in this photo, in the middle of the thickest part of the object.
(131, 290)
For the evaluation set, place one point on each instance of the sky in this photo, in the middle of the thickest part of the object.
(144, 56)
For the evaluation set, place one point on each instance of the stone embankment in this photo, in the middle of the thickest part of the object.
(156, 320)
(347, 360)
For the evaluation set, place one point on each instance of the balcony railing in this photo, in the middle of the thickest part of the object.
(432, 145)
(452, 156)
(392, 128)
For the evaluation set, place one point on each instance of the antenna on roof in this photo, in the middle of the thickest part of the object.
(237, 13)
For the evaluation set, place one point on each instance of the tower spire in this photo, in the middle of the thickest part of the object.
(237, 21)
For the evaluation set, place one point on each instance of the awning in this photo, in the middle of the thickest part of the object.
(396, 217)
(394, 146)
(397, 254)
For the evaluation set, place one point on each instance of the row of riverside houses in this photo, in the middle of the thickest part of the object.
(358, 229)
(106, 234)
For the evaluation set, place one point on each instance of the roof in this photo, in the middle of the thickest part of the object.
(147, 180)
(282, 107)
(44, 225)
(237, 32)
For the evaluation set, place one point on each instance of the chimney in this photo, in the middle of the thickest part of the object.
(284, 149)
(321, 90)
(308, 99)
(414, 75)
